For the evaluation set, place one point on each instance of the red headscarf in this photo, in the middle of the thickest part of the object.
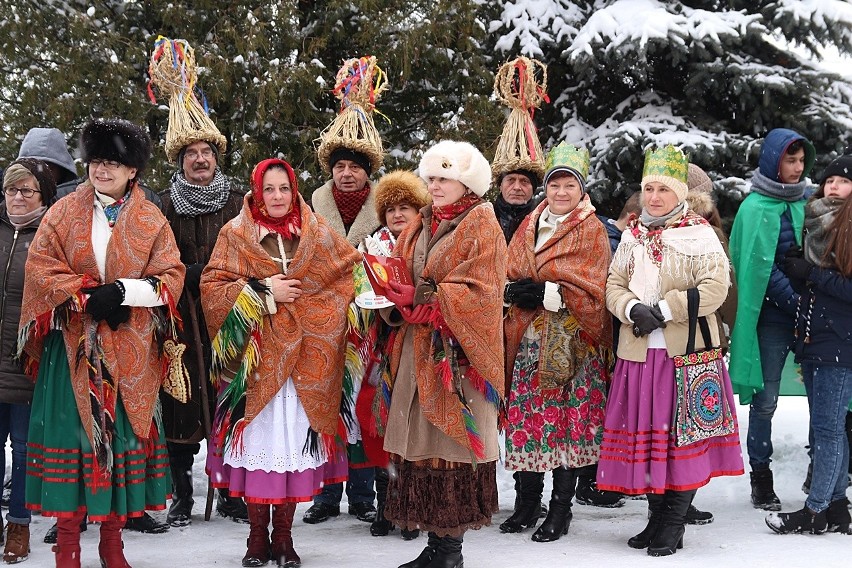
(290, 225)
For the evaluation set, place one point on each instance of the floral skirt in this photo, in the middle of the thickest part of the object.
(564, 427)
(62, 474)
(638, 454)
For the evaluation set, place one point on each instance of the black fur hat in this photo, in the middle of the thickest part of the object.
(118, 140)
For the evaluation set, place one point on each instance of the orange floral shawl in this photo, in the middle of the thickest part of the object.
(577, 258)
(466, 258)
(304, 340)
(61, 260)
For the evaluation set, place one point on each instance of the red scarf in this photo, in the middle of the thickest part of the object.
(453, 210)
(290, 225)
(349, 203)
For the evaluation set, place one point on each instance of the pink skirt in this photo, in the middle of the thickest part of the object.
(638, 453)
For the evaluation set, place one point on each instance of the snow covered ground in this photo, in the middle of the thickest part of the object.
(597, 537)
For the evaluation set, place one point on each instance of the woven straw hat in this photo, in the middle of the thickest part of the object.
(173, 71)
(359, 84)
(521, 85)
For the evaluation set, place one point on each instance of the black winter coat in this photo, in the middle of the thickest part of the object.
(824, 326)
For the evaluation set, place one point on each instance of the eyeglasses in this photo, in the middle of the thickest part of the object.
(206, 154)
(25, 191)
(108, 164)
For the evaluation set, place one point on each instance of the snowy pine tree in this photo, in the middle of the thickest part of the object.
(709, 76)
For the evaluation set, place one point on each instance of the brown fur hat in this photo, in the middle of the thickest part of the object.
(399, 186)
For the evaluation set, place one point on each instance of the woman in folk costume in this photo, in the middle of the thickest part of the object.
(823, 277)
(98, 321)
(558, 344)
(447, 359)
(399, 196)
(664, 253)
(275, 294)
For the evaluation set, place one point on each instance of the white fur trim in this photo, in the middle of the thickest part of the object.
(459, 161)
(139, 293)
(552, 298)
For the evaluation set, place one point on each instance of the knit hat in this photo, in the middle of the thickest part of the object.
(668, 166)
(521, 85)
(840, 166)
(173, 71)
(569, 159)
(42, 174)
(346, 154)
(48, 145)
(397, 187)
(698, 181)
(116, 139)
(459, 161)
(359, 84)
(535, 179)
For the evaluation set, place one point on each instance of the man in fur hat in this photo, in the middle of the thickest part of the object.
(348, 204)
(199, 200)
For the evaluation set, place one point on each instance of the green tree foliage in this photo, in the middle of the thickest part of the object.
(266, 69)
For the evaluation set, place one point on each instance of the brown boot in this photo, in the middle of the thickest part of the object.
(17, 543)
(111, 549)
(67, 547)
(282, 536)
(257, 543)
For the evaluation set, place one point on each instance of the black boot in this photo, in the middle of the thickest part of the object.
(838, 517)
(528, 503)
(52, 532)
(589, 494)
(762, 491)
(694, 516)
(233, 507)
(381, 526)
(656, 504)
(559, 514)
(669, 537)
(449, 553)
(426, 555)
(806, 486)
(180, 511)
(801, 521)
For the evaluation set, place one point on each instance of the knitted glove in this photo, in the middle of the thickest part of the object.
(510, 292)
(117, 317)
(530, 295)
(103, 299)
(798, 270)
(400, 294)
(646, 319)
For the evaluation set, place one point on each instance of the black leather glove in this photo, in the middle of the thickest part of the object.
(797, 268)
(510, 292)
(646, 319)
(117, 317)
(530, 295)
(103, 299)
(192, 280)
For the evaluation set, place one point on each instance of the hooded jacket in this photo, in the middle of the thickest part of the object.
(48, 145)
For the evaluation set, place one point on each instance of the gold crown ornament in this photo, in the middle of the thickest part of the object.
(173, 72)
(521, 85)
(569, 156)
(669, 166)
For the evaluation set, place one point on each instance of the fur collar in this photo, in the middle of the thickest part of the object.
(322, 202)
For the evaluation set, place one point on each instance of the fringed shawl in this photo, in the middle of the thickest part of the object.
(61, 261)
(466, 259)
(304, 340)
(577, 258)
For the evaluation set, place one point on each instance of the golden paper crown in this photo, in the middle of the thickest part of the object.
(667, 162)
(569, 156)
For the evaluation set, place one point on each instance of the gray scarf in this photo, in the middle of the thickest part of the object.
(193, 200)
(819, 215)
(783, 191)
(651, 222)
(27, 219)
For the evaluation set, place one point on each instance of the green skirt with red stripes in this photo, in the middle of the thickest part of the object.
(62, 474)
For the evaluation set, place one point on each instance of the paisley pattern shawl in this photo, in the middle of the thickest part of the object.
(304, 339)
(466, 258)
(577, 258)
(61, 260)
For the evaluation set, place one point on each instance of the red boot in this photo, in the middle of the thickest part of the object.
(282, 536)
(67, 547)
(111, 548)
(257, 543)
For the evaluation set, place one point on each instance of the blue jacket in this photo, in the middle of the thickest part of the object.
(824, 325)
(613, 232)
(775, 145)
(779, 304)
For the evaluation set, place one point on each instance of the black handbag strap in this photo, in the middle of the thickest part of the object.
(693, 298)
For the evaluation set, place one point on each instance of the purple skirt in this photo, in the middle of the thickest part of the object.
(272, 487)
(638, 453)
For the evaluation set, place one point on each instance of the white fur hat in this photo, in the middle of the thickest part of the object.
(459, 161)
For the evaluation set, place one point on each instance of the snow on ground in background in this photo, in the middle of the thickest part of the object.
(597, 537)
